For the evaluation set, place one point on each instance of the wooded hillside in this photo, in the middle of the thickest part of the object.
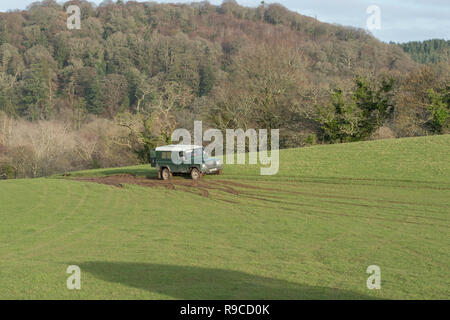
(149, 68)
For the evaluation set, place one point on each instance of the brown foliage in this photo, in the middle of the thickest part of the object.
(47, 147)
(411, 113)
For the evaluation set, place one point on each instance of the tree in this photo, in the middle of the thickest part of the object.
(376, 104)
(89, 86)
(36, 93)
(11, 67)
(439, 108)
(38, 85)
(339, 121)
(141, 133)
(275, 14)
(421, 101)
(117, 87)
(207, 79)
(359, 116)
(429, 51)
(262, 89)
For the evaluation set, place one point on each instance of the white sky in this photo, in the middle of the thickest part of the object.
(401, 20)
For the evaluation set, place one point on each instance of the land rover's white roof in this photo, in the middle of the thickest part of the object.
(177, 147)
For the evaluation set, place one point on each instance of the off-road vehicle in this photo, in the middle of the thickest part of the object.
(184, 159)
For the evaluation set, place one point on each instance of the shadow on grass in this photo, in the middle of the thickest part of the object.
(186, 282)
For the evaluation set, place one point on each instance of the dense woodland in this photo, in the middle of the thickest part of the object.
(105, 94)
(429, 51)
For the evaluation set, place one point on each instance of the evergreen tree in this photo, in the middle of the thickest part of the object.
(207, 80)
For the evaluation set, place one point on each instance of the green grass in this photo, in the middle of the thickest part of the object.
(309, 232)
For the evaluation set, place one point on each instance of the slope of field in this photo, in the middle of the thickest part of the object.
(309, 232)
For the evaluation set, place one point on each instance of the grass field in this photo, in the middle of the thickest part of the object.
(309, 232)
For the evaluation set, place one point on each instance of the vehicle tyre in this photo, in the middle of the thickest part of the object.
(165, 174)
(195, 174)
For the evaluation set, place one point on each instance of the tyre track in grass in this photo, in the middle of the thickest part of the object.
(41, 201)
(49, 227)
(390, 243)
(353, 215)
(319, 247)
(188, 186)
(247, 193)
(339, 181)
(246, 186)
(203, 186)
(91, 222)
(380, 242)
(37, 250)
(110, 226)
(26, 214)
(251, 196)
(332, 213)
(395, 209)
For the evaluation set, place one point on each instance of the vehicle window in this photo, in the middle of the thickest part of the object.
(197, 152)
(165, 155)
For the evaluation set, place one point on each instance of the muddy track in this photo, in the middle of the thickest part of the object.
(243, 189)
(186, 185)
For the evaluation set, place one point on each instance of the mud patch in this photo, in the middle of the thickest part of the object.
(201, 188)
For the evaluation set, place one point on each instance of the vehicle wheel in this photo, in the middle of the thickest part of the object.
(165, 174)
(195, 174)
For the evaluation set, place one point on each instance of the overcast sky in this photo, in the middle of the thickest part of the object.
(401, 20)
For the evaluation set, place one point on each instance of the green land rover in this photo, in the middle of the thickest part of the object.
(184, 159)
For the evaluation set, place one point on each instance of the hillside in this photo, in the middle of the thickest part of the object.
(103, 95)
(309, 233)
(130, 49)
(424, 158)
(123, 53)
(429, 51)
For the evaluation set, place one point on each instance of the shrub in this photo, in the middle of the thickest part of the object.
(7, 172)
